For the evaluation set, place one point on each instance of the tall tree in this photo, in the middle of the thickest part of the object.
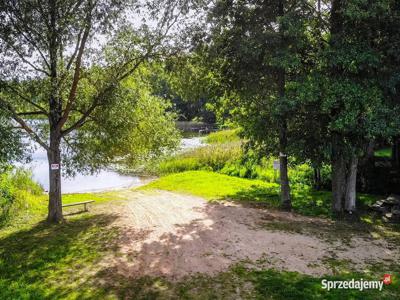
(66, 62)
(359, 110)
(258, 48)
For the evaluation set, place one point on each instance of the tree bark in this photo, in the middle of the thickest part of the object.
(317, 179)
(54, 157)
(283, 169)
(56, 107)
(338, 175)
(283, 161)
(351, 179)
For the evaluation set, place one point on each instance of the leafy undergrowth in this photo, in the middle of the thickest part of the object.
(215, 186)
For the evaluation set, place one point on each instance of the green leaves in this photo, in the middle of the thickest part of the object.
(132, 127)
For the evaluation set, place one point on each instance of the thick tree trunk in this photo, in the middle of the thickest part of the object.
(338, 184)
(350, 197)
(54, 157)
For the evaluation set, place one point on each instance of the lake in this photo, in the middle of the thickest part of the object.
(103, 180)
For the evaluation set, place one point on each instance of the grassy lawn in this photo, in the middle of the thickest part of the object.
(212, 186)
(215, 186)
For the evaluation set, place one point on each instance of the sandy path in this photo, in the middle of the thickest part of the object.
(167, 234)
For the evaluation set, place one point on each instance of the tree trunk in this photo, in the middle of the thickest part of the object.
(285, 187)
(54, 157)
(317, 179)
(350, 197)
(338, 174)
(283, 162)
(283, 172)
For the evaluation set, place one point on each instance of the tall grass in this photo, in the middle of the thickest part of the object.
(224, 136)
(224, 154)
(212, 158)
(18, 193)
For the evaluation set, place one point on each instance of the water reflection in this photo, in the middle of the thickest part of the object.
(104, 180)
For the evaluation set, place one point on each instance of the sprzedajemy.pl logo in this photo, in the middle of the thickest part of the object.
(360, 284)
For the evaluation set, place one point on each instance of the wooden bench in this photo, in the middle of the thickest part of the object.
(84, 203)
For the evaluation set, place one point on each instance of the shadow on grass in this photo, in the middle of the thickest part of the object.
(271, 284)
(305, 200)
(258, 196)
(45, 261)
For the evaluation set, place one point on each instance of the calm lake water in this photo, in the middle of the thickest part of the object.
(104, 180)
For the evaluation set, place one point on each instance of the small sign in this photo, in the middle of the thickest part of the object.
(276, 165)
(55, 166)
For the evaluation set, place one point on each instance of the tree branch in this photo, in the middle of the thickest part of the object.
(21, 56)
(24, 125)
(26, 99)
(30, 113)
(75, 81)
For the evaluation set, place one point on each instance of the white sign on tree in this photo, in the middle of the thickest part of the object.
(55, 166)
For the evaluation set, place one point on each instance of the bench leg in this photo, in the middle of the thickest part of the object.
(85, 205)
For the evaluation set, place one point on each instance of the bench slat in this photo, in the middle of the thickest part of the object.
(77, 203)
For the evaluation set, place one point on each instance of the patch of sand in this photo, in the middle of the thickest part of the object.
(174, 235)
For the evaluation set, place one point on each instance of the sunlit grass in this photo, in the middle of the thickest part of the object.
(215, 186)
(223, 136)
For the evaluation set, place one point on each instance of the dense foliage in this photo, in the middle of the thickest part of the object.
(316, 80)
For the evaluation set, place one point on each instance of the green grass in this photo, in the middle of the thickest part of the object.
(224, 154)
(223, 136)
(212, 186)
(212, 157)
(272, 284)
(53, 262)
(42, 261)
(215, 186)
(385, 152)
(62, 262)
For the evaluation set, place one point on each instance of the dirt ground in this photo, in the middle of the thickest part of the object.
(174, 235)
